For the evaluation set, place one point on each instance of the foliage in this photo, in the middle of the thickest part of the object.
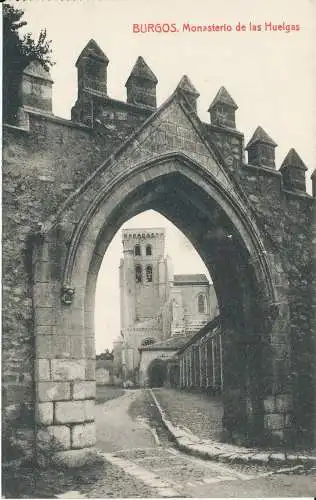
(106, 355)
(17, 51)
(16, 420)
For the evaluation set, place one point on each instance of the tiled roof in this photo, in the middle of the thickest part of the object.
(173, 343)
(211, 325)
(190, 278)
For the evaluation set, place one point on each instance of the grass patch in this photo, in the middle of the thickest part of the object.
(105, 393)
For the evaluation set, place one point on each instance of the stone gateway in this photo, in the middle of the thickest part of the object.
(68, 186)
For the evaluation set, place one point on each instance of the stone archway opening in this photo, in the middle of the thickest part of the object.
(230, 249)
(157, 373)
(223, 245)
(152, 319)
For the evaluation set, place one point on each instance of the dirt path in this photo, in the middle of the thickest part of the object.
(115, 428)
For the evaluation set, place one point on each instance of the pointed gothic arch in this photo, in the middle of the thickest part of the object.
(208, 207)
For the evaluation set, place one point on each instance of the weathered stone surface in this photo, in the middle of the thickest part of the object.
(45, 316)
(53, 391)
(42, 369)
(269, 404)
(83, 435)
(90, 347)
(89, 409)
(274, 421)
(76, 347)
(84, 390)
(70, 411)
(90, 369)
(44, 413)
(52, 346)
(74, 411)
(54, 438)
(283, 402)
(46, 330)
(63, 369)
(42, 292)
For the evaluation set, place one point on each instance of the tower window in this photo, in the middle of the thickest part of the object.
(138, 274)
(148, 250)
(137, 250)
(202, 303)
(149, 273)
(148, 341)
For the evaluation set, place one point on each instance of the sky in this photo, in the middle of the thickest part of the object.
(271, 76)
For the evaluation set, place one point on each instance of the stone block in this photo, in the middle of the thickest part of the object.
(274, 421)
(43, 294)
(269, 404)
(90, 369)
(90, 347)
(54, 438)
(67, 369)
(45, 316)
(76, 347)
(45, 330)
(52, 346)
(282, 402)
(89, 409)
(84, 390)
(83, 435)
(53, 391)
(44, 413)
(70, 412)
(42, 253)
(42, 369)
(42, 272)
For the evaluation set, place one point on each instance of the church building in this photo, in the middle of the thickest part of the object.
(160, 310)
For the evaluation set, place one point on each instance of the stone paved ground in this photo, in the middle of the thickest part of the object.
(104, 393)
(117, 430)
(102, 480)
(140, 461)
(197, 412)
(97, 481)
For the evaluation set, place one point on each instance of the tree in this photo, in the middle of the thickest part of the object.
(18, 52)
(106, 355)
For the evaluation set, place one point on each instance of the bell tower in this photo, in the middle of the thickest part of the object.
(143, 278)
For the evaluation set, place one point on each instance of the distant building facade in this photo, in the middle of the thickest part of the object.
(155, 303)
